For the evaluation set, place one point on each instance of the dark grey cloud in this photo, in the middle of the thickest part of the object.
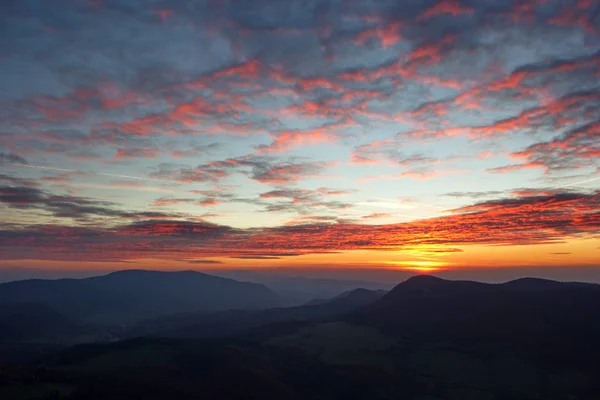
(12, 158)
(475, 195)
(543, 219)
(67, 206)
(16, 181)
(267, 170)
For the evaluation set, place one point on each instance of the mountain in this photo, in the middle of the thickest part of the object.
(236, 322)
(297, 290)
(533, 315)
(31, 321)
(126, 296)
(428, 338)
(30, 330)
(357, 297)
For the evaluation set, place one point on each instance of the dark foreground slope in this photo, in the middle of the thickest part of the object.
(125, 296)
(536, 316)
(427, 339)
(238, 322)
(33, 321)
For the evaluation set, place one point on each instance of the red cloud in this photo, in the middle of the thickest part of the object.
(247, 70)
(287, 140)
(164, 14)
(208, 203)
(453, 7)
(309, 84)
(579, 15)
(574, 149)
(532, 219)
(427, 54)
(388, 34)
(532, 192)
(73, 106)
(188, 116)
(515, 167)
(551, 114)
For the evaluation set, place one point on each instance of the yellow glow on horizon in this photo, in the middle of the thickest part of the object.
(418, 266)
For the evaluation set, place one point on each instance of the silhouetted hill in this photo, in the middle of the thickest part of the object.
(298, 290)
(235, 322)
(124, 296)
(530, 314)
(428, 338)
(356, 297)
(32, 321)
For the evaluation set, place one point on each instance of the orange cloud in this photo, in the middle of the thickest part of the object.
(529, 220)
(137, 153)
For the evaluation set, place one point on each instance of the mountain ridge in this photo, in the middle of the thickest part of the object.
(138, 294)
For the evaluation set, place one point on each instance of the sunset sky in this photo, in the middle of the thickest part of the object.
(419, 135)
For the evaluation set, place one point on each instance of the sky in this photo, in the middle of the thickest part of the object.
(414, 135)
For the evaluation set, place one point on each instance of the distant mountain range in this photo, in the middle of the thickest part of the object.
(357, 297)
(236, 322)
(427, 338)
(126, 296)
(20, 321)
(297, 290)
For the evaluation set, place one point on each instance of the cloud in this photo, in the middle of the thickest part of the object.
(304, 202)
(388, 151)
(287, 140)
(287, 172)
(388, 34)
(137, 153)
(441, 7)
(172, 228)
(377, 216)
(574, 149)
(507, 221)
(257, 258)
(415, 175)
(267, 170)
(17, 181)
(240, 91)
(475, 195)
(12, 158)
(203, 261)
(515, 167)
(60, 206)
(195, 151)
(81, 209)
